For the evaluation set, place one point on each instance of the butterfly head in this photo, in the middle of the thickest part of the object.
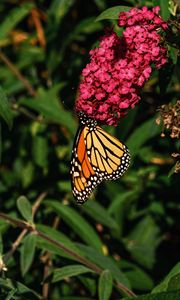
(85, 120)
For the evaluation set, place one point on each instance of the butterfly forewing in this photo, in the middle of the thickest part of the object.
(108, 156)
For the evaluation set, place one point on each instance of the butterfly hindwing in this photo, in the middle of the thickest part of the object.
(83, 177)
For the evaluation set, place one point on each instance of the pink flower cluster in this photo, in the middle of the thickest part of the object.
(120, 66)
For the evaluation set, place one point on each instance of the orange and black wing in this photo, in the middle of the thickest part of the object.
(83, 176)
(108, 156)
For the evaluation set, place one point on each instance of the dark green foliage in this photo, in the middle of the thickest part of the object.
(126, 236)
(105, 285)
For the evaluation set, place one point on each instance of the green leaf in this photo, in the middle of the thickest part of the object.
(105, 285)
(170, 281)
(89, 283)
(118, 208)
(27, 174)
(40, 151)
(64, 185)
(21, 290)
(165, 77)
(0, 143)
(126, 124)
(57, 236)
(11, 294)
(173, 7)
(77, 223)
(1, 245)
(27, 253)
(104, 262)
(138, 278)
(79, 32)
(112, 12)
(143, 241)
(174, 283)
(98, 213)
(13, 18)
(120, 200)
(174, 56)
(100, 4)
(47, 103)
(25, 208)
(86, 26)
(60, 8)
(76, 298)
(5, 110)
(159, 296)
(3, 226)
(172, 170)
(143, 133)
(69, 271)
(165, 13)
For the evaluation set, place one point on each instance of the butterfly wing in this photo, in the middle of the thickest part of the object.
(109, 157)
(83, 177)
(96, 155)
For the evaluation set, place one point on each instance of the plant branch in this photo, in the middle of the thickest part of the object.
(61, 246)
(37, 22)
(27, 113)
(25, 230)
(18, 74)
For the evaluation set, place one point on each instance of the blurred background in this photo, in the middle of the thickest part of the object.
(130, 226)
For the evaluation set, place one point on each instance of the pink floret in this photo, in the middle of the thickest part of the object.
(120, 66)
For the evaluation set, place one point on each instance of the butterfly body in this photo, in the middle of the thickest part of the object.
(96, 156)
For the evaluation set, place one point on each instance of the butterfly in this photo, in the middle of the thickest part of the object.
(96, 156)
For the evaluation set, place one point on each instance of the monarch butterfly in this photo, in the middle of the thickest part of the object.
(96, 156)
